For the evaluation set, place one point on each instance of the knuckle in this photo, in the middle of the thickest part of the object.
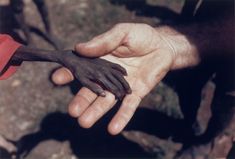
(129, 112)
(131, 104)
(121, 25)
(145, 25)
(98, 109)
(125, 117)
(118, 26)
(99, 75)
(103, 70)
(89, 72)
(106, 72)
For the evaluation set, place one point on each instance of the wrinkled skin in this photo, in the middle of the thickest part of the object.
(146, 56)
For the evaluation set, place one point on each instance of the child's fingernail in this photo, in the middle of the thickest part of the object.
(103, 94)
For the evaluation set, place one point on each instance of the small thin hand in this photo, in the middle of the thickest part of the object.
(97, 74)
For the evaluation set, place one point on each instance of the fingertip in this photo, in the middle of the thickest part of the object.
(88, 49)
(62, 76)
(124, 83)
(120, 69)
(114, 129)
(73, 109)
(127, 88)
(124, 71)
(85, 122)
(95, 88)
(79, 47)
(81, 102)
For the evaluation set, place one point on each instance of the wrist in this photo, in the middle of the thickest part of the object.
(183, 52)
(66, 58)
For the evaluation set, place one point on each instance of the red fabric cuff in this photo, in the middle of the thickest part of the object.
(7, 49)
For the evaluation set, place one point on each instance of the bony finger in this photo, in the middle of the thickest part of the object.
(120, 69)
(123, 81)
(94, 87)
(107, 84)
(62, 76)
(83, 99)
(121, 90)
(124, 114)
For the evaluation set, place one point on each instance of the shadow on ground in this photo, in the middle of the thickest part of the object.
(10, 26)
(94, 142)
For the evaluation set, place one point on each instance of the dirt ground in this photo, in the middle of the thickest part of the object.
(31, 105)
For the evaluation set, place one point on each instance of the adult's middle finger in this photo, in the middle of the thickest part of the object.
(96, 110)
(82, 100)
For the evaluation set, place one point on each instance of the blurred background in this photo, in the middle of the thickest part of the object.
(33, 111)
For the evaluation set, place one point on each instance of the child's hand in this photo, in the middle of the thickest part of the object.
(96, 74)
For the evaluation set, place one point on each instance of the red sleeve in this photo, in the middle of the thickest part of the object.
(7, 49)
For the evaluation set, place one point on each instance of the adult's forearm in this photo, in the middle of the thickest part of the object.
(195, 42)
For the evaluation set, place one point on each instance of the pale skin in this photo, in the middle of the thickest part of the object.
(146, 53)
(141, 50)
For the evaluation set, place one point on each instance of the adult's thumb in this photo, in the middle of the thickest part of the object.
(104, 43)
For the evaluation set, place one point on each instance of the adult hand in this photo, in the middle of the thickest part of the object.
(146, 53)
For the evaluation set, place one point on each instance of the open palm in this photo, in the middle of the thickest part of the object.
(144, 73)
(145, 53)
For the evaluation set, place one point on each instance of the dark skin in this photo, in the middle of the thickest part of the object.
(94, 73)
(18, 10)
